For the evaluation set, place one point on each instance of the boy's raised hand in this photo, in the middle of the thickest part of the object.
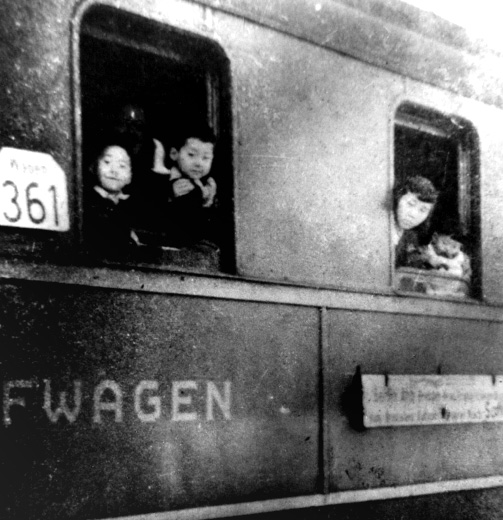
(182, 186)
(209, 192)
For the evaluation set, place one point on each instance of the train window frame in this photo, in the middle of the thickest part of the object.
(457, 211)
(176, 50)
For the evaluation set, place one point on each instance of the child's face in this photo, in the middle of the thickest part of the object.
(411, 212)
(194, 158)
(114, 169)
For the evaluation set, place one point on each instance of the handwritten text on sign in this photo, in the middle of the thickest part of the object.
(402, 400)
(33, 191)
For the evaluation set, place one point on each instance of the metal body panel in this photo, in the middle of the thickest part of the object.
(131, 449)
(401, 344)
(36, 86)
(303, 159)
(387, 34)
(186, 391)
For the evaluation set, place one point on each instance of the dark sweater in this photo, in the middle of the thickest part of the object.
(190, 221)
(106, 224)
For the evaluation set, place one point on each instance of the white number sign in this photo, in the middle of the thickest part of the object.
(33, 191)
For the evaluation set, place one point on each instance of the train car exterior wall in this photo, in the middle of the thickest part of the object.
(130, 391)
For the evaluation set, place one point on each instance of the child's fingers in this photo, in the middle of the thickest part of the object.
(182, 187)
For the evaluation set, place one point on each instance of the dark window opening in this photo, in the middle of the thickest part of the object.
(442, 256)
(168, 80)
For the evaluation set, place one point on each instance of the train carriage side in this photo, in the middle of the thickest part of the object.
(167, 383)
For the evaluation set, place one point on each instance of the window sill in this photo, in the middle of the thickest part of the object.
(431, 283)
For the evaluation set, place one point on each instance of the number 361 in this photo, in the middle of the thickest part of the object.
(35, 207)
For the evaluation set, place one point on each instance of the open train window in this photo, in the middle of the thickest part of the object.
(435, 203)
(143, 85)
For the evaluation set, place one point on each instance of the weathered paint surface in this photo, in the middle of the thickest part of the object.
(121, 403)
(401, 344)
(116, 403)
(330, 128)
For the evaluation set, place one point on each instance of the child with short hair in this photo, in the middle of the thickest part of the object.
(107, 222)
(413, 202)
(192, 155)
(192, 188)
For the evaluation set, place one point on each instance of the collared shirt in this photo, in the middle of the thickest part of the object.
(114, 197)
(396, 234)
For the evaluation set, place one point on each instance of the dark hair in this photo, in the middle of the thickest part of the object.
(425, 191)
(419, 186)
(200, 131)
(100, 147)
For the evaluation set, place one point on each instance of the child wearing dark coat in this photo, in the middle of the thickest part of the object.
(181, 209)
(107, 213)
(192, 189)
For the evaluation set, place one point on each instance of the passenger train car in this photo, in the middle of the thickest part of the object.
(233, 381)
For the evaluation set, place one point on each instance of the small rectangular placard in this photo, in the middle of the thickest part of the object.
(33, 191)
(403, 400)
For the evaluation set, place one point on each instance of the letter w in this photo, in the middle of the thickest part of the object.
(63, 408)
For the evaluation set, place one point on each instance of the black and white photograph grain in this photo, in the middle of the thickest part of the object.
(251, 259)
